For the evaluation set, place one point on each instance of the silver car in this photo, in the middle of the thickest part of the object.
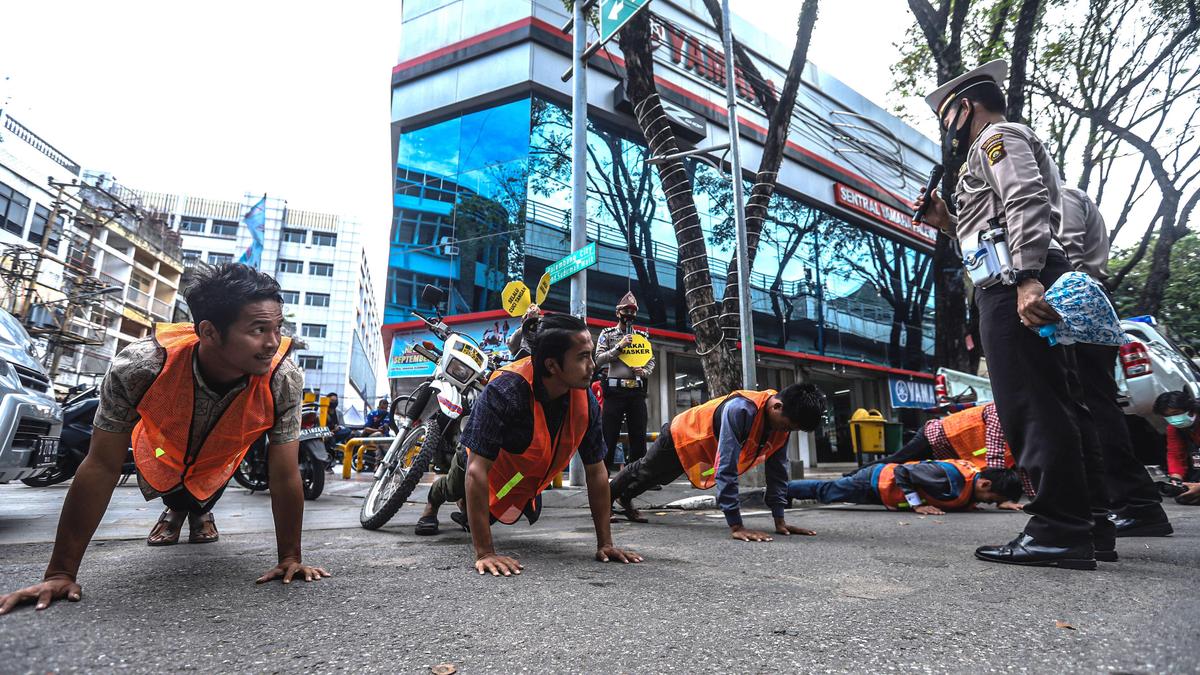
(30, 419)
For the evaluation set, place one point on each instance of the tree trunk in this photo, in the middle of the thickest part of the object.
(721, 370)
(1027, 22)
(950, 305)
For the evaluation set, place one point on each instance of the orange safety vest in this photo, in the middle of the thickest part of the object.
(967, 433)
(160, 439)
(519, 475)
(962, 481)
(697, 446)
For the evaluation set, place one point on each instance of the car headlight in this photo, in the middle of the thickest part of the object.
(459, 370)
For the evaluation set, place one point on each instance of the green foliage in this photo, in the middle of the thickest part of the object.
(1181, 299)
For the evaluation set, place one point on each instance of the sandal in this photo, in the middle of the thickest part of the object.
(203, 529)
(461, 518)
(427, 526)
(166, 531)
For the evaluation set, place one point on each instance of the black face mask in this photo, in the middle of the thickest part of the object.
(957, 140)
(627, 318)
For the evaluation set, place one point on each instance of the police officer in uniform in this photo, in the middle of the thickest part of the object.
(624, 387)
(1137, 505)
(1008, 181)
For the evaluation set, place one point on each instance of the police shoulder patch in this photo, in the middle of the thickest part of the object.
(993, 147)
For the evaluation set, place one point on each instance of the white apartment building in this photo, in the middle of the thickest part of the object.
(133, 255)
(320, 262)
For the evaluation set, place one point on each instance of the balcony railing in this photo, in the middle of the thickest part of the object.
(160, 309)
(137, 298)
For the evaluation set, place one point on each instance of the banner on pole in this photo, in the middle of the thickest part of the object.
(256, 220)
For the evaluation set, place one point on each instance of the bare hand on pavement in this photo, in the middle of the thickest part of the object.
(293, 569)
(48, 591)
(927, 510)
(498, 565)
(742, 534)
(610, 553)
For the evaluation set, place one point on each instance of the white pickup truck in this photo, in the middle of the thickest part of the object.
(1150, 364)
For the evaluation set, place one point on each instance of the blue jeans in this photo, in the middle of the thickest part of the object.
(855, 488)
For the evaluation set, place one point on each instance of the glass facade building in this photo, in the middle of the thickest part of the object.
(842, 285)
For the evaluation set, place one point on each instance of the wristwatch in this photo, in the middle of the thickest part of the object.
(1022, 275)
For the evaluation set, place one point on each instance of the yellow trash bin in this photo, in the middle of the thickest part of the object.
(867, 432)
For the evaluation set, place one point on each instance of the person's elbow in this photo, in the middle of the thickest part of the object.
(108, 450)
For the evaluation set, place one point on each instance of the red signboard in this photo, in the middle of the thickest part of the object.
(894, 218)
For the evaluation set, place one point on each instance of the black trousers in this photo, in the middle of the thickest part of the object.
(1130, 488)
(1039, 400)
(660, 466)
(625, 406)
(183, 501)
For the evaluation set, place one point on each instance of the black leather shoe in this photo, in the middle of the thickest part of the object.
(1106, 554)
(1140, 527)
(1025, 551)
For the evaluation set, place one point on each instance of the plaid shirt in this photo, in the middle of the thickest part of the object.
(994, 442)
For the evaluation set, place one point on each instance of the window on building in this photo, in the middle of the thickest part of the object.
(293, 266)
(404, 287)
(224, 228)
(290, 297)
(310, 362)
(14, 209)
(190, 257)
(320, 269)
(37, 226)
(139, 281)
(312, 330)
(316, 299)
(325, 238)
(220, 258)
(187, 224)
(295, 236)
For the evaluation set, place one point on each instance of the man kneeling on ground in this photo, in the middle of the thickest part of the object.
(929, 488)
(715, 442)
(524, 428)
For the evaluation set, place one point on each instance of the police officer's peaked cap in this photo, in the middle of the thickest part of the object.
(627, 301)
(992, 71)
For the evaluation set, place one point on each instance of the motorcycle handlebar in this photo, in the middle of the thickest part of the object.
(436, 326)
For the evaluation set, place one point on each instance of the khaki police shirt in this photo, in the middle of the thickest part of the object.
(1084, 235)
(1009, 175)
(608, 354)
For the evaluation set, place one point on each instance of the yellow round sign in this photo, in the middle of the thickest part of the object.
(543, 289)
(637, 353)
(515, 298)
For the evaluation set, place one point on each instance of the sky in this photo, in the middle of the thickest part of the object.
(289, 97)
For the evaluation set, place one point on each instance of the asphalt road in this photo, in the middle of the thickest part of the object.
(873, 592)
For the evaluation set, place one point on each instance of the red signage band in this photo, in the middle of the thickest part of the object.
(894, 218)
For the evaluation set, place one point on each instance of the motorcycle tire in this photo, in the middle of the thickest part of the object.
(245, 480)
(54, 476)
(392, 503)
(312, 475)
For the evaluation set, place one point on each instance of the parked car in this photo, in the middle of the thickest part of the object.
(1150, 364)
(30, 419)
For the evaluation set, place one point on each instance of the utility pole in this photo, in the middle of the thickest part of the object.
(577, 473)
(56, 208)
(745, 308)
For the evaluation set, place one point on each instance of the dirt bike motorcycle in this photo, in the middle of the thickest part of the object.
(254, 471)
(429, 437)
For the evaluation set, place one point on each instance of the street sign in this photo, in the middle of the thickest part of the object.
(577, 261)
(515, 298)
(614, 14)
(543, 289)
(637, 353)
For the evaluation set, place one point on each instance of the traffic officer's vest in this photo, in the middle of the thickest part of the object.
(693, 433)
(967, 433)
(962, 483)
(519, 475)
(160, 439)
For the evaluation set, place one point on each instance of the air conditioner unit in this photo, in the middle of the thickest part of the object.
(449, 246)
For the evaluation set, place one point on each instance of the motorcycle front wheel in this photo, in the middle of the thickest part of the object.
(244, 475)
(390, 491)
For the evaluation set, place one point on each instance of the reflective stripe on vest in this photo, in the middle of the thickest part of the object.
(160, 439)
(696, 443)
(517, 478)
(961, 474)
(966, 431)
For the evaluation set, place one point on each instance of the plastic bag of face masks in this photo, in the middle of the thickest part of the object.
(1087, 314)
